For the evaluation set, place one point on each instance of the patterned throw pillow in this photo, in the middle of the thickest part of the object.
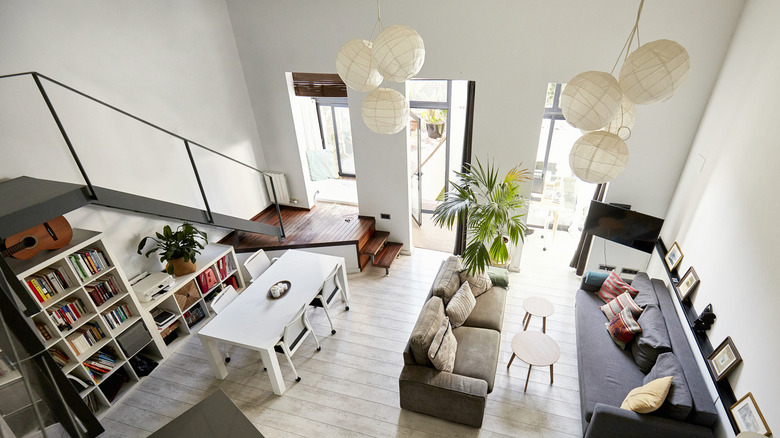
(613, 286)
(623, 327)
(624, 301)
(479, 283)
(443, 348)
(649, 397)
(461, 305)
(447, 280)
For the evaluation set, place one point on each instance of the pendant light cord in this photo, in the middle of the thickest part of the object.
(378, 23)
(634, 32)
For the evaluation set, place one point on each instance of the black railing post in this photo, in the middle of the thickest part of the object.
(276, 203)
(197, 178)
(64, 135)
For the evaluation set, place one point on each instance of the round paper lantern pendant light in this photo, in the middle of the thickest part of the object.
(654, 71)
(591, 100)
(356, 67)
(385, 111)
(623, 121)
(398, 52)
(598, 157)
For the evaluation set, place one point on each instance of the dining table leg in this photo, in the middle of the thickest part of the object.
(274, 372)
(214, 357)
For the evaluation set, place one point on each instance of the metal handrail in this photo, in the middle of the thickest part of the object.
(187, 142)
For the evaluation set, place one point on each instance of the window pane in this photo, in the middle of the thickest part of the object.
(345, 140)
(326, 121)
(548, 103)
(427, 90)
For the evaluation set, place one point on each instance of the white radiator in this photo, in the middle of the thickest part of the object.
(280, 185)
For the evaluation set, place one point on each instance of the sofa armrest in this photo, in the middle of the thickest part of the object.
(612, 422)
(444, 395)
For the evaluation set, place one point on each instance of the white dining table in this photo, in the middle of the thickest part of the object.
(256, 322)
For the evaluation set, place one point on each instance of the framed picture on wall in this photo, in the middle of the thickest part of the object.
(674, 256)
(687, 284)
(724, 359)
(748, 417)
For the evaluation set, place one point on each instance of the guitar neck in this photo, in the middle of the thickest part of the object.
(11, 250)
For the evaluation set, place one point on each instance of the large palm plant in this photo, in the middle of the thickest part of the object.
(492, 209)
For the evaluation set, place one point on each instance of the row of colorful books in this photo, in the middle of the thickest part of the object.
(49, 282)
(67, 314)
(85, 337)
(103, 290)
(60, 358)
(99, 364)
(89, 262)
(225, 266)
(117, 315)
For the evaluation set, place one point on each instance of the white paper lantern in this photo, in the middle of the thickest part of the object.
(598, 157)
(654, 71)
(385, 111)
(623, 121)
(398, 52)
(356, 67)
(590, 100)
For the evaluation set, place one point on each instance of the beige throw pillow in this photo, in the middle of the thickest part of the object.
(461, 305)
(443, 348)
(425, 329)
(447, 281)
(649, 397)
(479, 283)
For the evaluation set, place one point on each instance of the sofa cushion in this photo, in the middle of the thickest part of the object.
(498, 276)
(592, 280)
(646, 294)
(648, 397)
(480, 283)
(425, 329)
(477, 354)
(623, 301)
(623, 327)
(653, 340)
(614, 286)
(679, 402)
(447, 280)
(443, 347)
(489, 311)
(460, 306)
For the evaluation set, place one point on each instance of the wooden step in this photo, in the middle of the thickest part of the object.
(375, 243)
(388, 254)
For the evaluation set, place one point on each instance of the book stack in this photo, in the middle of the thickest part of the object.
(117, 315)
(85, 337)
(44, 331)
(59, 357)
(223, 267)
(103, 290)
(91, 401)
(48, 282)
(66, 315)
(100, 364)
(89, 262)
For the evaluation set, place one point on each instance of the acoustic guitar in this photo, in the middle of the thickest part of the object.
(53, 234)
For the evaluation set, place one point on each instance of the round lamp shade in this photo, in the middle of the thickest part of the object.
(654, 71)
(398, 53)
(623, 122)
(385, 111)
(591, 100)
(598, 157)
(356, 67)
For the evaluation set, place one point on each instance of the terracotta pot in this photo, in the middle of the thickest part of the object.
(180, 267)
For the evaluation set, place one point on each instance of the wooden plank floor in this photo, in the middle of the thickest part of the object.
(350, 388)
(326, 223)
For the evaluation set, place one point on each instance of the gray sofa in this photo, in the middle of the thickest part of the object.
(461, 395)
(607, 373)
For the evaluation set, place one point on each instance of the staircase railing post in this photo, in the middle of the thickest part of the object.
(276, 203)
(197, 178)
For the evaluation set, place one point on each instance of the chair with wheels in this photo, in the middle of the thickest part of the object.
(221, 301)
(257, 263)
(295, 332)
(330, 287)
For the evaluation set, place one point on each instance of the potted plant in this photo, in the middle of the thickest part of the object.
(176, 248)
(434, 121)
(491, 209)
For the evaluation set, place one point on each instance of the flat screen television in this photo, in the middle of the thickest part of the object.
(624, 226)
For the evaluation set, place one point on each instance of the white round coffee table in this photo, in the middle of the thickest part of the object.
(535, 349)
(537, 306)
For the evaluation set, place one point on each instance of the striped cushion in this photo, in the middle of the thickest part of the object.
(479, 283)
(613, 286)
(623, 301)
(460, 306)
(623, 327)
(443, 348)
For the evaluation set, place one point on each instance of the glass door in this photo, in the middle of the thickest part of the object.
(337, 135)
(416, 168)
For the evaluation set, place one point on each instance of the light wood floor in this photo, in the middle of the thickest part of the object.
(350, 388)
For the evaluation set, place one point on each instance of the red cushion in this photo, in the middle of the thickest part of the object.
(623, 327)
(613, 286)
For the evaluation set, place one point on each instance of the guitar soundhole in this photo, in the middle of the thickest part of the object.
(29, 241)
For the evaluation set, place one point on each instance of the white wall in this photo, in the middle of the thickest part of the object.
(174, 63)
(724, 213)
(512, 50)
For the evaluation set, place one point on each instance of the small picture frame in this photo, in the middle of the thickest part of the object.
(748, 416)
(724, 359)
(687, 284)
(674, 256)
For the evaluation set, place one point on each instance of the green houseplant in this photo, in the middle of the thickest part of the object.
(434, 121)
(176, 248)
(492, 210)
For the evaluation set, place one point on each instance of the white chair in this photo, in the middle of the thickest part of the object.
(330, 287)
(257, 263)
(221, 301)
(295, 332)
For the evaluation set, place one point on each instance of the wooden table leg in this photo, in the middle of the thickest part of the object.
(526, 321)
(510, 361)
(544, 324)
(527, 378)
(551, 374)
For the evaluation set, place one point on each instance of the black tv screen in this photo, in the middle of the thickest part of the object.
(620, 225)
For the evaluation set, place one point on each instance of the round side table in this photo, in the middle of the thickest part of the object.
(535, 349)
(537, 306)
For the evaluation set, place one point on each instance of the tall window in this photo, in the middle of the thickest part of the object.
(336, 132)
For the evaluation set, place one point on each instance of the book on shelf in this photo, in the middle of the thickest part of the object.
(43, 331)
(89, 262)
(85, 337)
(60, 358)
(99, 364)
(162, 318)
(116, 315)
(102, 290)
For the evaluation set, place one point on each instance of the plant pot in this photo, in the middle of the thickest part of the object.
(180, 267)
(434, 130)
